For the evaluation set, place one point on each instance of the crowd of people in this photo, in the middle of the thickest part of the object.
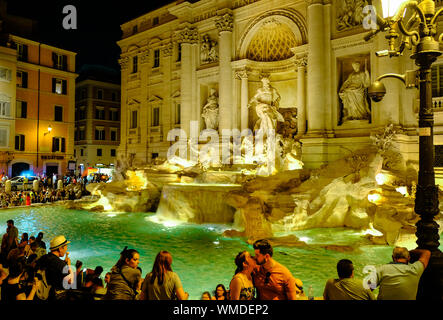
(28, 272)
(49, 190)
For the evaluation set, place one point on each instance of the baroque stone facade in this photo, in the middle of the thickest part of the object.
(302, 46)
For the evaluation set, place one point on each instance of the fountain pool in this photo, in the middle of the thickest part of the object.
(201, 255)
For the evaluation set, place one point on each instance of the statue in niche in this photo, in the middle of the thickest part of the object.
(209, 50)
(266, 102)
(210, 111)
(350, 14)
(354, 96)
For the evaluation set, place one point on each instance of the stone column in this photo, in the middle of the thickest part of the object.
(122, 151)
(244, 112)
(301, 96)
(316, 68)
(186, 37)
(224, 25)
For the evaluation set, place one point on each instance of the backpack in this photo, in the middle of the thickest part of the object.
(43, 291)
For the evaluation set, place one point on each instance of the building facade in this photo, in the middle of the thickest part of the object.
(8, 67)
(43, 109)
(97, 129)
(313, 53)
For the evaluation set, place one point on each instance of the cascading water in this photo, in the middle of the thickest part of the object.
(196, 202)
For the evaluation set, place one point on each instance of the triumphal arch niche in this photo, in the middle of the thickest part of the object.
(273, 46)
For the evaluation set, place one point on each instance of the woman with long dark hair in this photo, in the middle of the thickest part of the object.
(125, 277)
(162, 283)
(242, 287)
(220, 293)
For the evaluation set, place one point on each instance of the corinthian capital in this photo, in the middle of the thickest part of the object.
(225, 22)
(187, 35)
(242, 74)
(124, 63)
(301, 62)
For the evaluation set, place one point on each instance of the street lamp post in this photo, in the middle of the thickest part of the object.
(419, 34)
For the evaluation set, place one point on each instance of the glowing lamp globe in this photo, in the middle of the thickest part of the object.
(390, 7)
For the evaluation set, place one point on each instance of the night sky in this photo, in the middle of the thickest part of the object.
(98, 25)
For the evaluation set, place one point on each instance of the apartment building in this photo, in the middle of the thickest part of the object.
(97, 118)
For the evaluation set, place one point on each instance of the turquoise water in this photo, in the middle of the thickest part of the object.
(202, 257)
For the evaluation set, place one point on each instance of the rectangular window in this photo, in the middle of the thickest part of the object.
(81, 133)
(99, 134)
(60, 61)
(113, 135)
(20, 142)
(134, 64)
(4, 137)
(81, 113)
(21, 109)
(113, 153)
(100, 94)
(5, 74)
(99, 113)
(99, 152)
(156, 58)
(177, 113)
(59, 86)
(58, 144)
(22, 52)
(113, 115)
(81, 152)
(114, 96)
(437, 80)
(22, 79)
(156, 117)
(133, 119)
(5, 108)
(58, 113)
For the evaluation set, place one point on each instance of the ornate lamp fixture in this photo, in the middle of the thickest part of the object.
(418, 33)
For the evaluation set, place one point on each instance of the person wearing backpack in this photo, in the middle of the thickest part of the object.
(125, 279)
(55, 268)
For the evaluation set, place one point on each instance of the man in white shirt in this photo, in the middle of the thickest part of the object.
(399, 279)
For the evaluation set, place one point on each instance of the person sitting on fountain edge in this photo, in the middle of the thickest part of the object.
(346, 287)
(399, 279)
(272, 280)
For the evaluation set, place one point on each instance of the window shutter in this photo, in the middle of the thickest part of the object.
(63, 145)
(24, 109)
(54, 59)
(17, 142)
(24, 79)
(54, 81)
(54, 141)
(22, 142)
(25, 53)
(65, 62)
(64, 86)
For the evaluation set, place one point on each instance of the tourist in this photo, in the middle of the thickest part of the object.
(12, 235)
(56, 269)
(399, 279)
(206, 296)
(272, 280)
(80, 274)
(346, 287)
(4, 249)
(91, 275)
(17, 254)
(107, 279)
(241, 286)
(125, 277)
(220, 293)
(12, 289)
(162, 283)
(40, 241)
(97, 289)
